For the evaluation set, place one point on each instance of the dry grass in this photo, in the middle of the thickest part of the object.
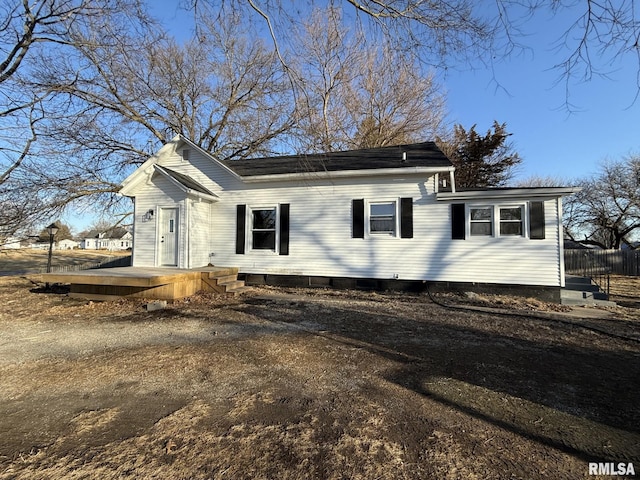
(295, 383)
(25, 260)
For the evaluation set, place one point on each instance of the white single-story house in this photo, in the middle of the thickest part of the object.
(115, 239)
(67, 244)
(10, 243)
(343, 218)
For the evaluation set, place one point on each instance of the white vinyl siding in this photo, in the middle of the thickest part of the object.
(320, 237)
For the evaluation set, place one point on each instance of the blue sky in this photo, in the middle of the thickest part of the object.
(522, 90)
(551, 140)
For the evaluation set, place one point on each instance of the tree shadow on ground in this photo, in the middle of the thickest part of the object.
(549, 386)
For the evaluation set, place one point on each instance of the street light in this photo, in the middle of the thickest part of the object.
(52, 230)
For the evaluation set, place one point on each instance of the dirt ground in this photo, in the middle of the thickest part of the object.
(319, 384)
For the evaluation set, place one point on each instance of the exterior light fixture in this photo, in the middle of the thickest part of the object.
(51, 230)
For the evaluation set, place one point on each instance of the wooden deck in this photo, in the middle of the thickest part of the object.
(143, 282)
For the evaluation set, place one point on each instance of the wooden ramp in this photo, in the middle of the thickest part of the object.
(142, 282)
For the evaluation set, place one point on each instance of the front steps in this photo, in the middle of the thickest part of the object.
(582, 291)
(222, 280)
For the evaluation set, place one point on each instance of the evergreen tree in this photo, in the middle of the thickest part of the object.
(481, 160)
(63, 233)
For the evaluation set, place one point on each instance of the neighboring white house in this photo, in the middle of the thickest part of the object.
(364, 214)
(67, 244)
(114, 239)
(10, 243)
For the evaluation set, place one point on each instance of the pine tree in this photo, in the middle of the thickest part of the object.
(481, 161)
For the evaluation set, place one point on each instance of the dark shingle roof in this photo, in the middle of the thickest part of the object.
(425, 154)
(187, 181)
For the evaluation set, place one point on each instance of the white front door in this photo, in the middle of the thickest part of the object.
(168, 237)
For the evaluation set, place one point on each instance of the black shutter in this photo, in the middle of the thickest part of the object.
(284, 229)
(358, 219)
(536, 221)
(241, 220)
(406, 218)
(457, 221)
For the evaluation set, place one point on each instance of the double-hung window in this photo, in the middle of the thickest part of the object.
(263, 229)
(481, 220)
(382, 218)
(511, 221)
(496, 220)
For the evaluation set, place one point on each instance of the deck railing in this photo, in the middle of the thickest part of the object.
(109, 262)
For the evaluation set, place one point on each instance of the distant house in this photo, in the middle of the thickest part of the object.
(67, 244)
(10, 243)
(344, 218)
(114, 239)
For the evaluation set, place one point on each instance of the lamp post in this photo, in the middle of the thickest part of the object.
(52, 230)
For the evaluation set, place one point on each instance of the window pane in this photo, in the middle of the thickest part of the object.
(264, 240)
(383, 209)
(511, 213)
(480, 214)
(383, 224)
(481, 228)
(264, 219)
(510, 228)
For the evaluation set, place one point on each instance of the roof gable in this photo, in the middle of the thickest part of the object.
(187, 183)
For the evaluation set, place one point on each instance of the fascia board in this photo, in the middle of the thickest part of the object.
(184, 188)
(129, 184)
(550, 192)
(346, 173)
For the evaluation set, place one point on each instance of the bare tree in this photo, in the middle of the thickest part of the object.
(537, 181)
(27, 30)
(126, 89)
(606, 212)
(445, 33)
(394, 102)
(353, 97)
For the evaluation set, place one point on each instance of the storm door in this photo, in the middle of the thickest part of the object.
(168, 237)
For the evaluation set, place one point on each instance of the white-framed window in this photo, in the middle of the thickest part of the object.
(512, 220)
(497, 220)
(383, 218)
(481, 221)
(264, 223)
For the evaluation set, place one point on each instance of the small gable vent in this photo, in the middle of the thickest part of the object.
(185, 154)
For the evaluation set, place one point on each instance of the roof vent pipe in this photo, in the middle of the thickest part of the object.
(404, 157)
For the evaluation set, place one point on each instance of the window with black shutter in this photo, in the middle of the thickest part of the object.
(241, 221)
(536, 221)
(458, 221)
(357, 230)
(284, 229)
(406, 218)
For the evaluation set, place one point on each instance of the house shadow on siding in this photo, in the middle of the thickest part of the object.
(551, 390)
